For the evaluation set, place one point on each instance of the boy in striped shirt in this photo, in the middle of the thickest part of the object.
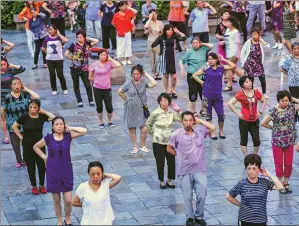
(253, 191)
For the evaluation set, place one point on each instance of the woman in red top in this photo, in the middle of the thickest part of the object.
(249, 115)
(123, 21)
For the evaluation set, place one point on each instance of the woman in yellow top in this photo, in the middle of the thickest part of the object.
(26, 15)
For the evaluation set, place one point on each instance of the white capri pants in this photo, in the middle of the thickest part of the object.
(124, 46)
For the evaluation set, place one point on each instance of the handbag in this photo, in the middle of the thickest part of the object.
(121, 34)
(146, 112)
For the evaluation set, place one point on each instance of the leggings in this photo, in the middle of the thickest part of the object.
(56, 66)
(214, 101)
(195, 89)
(242, 223)
(16, 145)
(262, 79)
(283, 160)
(76, 75)
(254, 130)
(32, 159)
(108, 32)
(38, 43)
(101, 95)
(160, 154)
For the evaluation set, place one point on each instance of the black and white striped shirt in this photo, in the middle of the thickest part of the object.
(253, 199)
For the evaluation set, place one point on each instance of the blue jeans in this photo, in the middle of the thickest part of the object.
(198, 182)
(253, 10)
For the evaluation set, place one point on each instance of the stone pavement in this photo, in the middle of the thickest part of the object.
(137, 200)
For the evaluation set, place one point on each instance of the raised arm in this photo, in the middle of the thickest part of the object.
(207, 5)
(115, 179)
(115, 63)
(33, 94)
(49, 114)
(209, 45)
(76, 131)
(45, 6)
(9, 46)
(277, 184)
(63, 38)
(93, 41)
(152, 81)
(208, 125)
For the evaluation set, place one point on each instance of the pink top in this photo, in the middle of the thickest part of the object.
(101, 75)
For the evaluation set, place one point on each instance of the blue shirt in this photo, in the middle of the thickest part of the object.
(253, 206)
(200, 20)
(145, 10)
(92, 10)
(38, 28)
(291, 65)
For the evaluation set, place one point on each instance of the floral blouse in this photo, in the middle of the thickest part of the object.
(57, 8)
(284, 131)
(239, 6)
(291, 65)
(159, 125)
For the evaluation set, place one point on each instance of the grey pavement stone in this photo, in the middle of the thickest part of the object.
(138, 199)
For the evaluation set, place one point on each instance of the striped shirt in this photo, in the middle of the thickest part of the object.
(253, 199)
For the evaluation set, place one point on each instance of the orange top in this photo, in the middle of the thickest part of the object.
(176, 12)
(26, 13)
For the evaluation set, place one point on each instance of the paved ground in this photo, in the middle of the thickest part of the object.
(138, 199)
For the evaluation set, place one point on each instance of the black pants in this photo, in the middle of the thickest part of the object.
(108, 32)
(76, 75)
(294, 91)
(160, 152)
(195, 88)
(263, 82)
(60, 24)
(242, 20)
(56, 67)
(254, 130)
(38, 44)
(203, 36)
(32, 159)
(251, 224)
(16, 145)
(101, 95)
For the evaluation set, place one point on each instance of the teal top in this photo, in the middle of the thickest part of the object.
(195, 59)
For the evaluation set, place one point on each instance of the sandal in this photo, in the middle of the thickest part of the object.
(144, 149)
(157, 77)
(227, 89)
(213, 138)
(5, 141)
(195, 115)
(135, 150)
(287, 188)
(222, 137)
(203, 113)
(234, 80)
(225, 80)
(174, 95)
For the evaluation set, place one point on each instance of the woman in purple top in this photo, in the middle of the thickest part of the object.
(100, 74)
(277, 22)
(59, 171)
(212, 88)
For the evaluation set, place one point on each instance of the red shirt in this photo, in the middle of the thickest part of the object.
(123, 22)
(249, 105)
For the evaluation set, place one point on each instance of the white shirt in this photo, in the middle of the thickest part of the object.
(232, 42)
(97, 209)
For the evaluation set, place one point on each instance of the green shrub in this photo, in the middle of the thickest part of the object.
(8, 9)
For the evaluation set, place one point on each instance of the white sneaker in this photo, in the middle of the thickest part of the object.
(129, 62)
(65, 92)
(266, 96)
(144, 149)
(54, 93)
(280, 45)
(275, 46)
(124, 63)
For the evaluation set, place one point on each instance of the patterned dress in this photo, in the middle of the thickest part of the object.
(253, 65)
(133, 110)
(284, 131)
(289, 24)
(277, 17)
(168, 47)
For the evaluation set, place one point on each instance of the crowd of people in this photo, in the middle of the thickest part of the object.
(113, 25)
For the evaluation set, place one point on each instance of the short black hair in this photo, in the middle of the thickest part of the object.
(165, 96)
(96, 164)
(256, 29)
(139, 68)
(234, 21)
(53, 26)
(294, 44)
(242, 80)
(253, 159)
(35, 101)
(152, 10)
(81, 32)
(282, 94)
(226, 10)
(187, 113)
(215, 57)
(121, 3)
